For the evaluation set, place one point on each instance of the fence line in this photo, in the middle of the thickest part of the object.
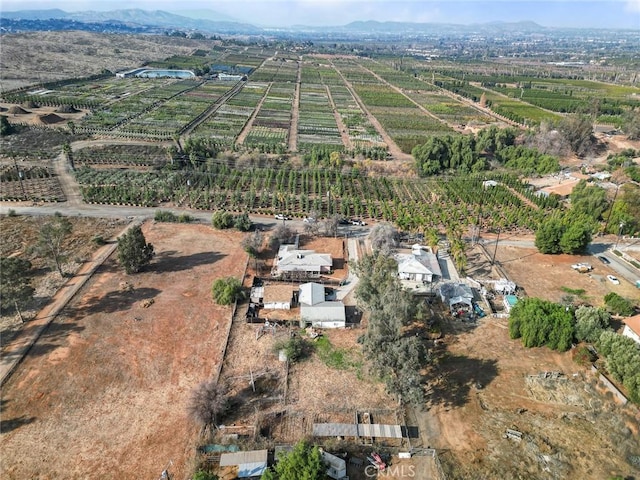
(228, 335)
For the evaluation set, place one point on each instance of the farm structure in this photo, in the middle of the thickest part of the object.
(316, 311)
(249, 464)
(277, 296)
(458, 297)
(336, 466)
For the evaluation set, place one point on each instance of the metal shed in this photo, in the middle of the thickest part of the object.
(251, 463)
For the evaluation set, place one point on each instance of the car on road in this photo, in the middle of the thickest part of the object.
(280, 216)
(357, 222)
(309, 220)
(604, 260)
(613, 279)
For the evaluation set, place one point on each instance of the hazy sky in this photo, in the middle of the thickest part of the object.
(567, 13)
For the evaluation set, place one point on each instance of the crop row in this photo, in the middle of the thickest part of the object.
(412, 204)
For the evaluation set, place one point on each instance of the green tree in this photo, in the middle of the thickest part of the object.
(590, 322)
(589, 200)
(204, 475)
(51, 240)
(304, 462)
(397, 359)
(618, 305)
(541, 323)
(548, 235)
(622, 361)
(569, 233)
(15, 284)
(576, 237)
(225, 291)
(432, 238)
(221, 220)
(5, 127)
(242, 222)
(133, 250)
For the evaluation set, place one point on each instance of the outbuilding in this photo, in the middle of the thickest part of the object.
(251, 463)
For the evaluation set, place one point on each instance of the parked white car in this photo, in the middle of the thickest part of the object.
(280, 216)
(613, 279)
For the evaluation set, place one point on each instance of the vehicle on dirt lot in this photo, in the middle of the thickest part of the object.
(613, 279)
(582, 267)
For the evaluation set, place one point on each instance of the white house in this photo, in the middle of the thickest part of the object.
(418, 266)
(317, 312)
(632, 328)
(299, 264)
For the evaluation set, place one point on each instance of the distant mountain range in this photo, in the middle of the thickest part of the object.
(207, 21)
(135, 18)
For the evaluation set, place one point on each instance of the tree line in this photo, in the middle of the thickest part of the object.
(542, 323)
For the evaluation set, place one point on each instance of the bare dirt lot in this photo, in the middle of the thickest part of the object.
(19, 235)
(34, 57)
(547, 276)
(486, 383)
(103, 393)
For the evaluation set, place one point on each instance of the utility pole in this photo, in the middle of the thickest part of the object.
(495, 250)
(20, 174)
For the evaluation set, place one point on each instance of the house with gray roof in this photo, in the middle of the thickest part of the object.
(421, 265)
(316, 311)
(295, 264)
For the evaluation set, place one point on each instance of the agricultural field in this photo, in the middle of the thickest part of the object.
(277, 69)
(403, 120)
(104, 390)
(450, 110)
(272, 122)
(121, 156)
(34, 183)
(316, 121)
(228, 121)
(413, 204)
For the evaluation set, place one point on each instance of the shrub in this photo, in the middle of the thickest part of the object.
(225, 291)
(222, 220)
(296, 348)
(618, 305)
(98, 240)
(583, 356)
